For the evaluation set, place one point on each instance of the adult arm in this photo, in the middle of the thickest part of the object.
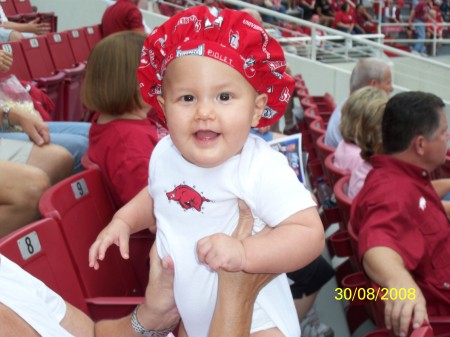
(77, 322)
(32, 125)
(33, 26)
(385, 267)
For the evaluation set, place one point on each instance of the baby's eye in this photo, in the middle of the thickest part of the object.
(187, 98)
(224, 96)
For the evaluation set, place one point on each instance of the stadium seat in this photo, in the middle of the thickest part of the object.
(64, 60)
(23, 6)
(323, 150)
(19, 65)
(334, 172)
(343, 201)
(317, 129)
(82, 206)
(93, 35)
(40, 249)
(9, 8)
(43, 72)
(79, 45)
(25, 9)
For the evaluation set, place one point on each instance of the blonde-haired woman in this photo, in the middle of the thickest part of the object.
(347, 154)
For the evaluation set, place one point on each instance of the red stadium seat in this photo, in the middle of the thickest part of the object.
(43, 71)
(19, 66)
(82, 206)
(323, 150)
(93, 35)
(64, 60)
(9, 8)
(343, 201)
(334, 172)
(79, 45)
(23, 6)
(25, 9)
(317, 129)
(39, 248)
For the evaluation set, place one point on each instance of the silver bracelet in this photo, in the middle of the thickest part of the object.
(5, 119)
(146, 332)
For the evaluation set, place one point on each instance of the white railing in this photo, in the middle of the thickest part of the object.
(435, 41)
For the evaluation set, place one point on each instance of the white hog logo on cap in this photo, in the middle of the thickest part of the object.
(249, 68)
(285, 95)
(234, 39)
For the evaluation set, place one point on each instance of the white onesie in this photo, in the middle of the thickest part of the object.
(191, 202)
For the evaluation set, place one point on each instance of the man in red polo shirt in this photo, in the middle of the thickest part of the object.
(403, 230)
(123, 15)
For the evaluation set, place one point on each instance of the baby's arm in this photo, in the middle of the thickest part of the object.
(136, 215)
(290, 246)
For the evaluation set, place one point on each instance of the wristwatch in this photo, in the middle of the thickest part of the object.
(146, 332)
(5, 119)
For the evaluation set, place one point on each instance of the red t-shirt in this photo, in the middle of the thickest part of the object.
(122, 149)
(123, 15)
(398, 208)
(421, 11)
(344, 17)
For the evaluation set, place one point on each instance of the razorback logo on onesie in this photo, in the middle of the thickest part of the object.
(187, 197)
(232, 37)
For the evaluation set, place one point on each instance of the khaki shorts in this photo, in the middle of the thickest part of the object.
(15, 150)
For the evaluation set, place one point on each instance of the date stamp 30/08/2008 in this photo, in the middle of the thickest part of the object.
(374, 294)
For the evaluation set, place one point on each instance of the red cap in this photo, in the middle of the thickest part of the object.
(234, 38)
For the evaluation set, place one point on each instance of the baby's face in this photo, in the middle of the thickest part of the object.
(209, 108)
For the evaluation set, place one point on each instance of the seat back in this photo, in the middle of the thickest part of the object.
(334, 172)
(343, 201)
(83, 207)
(60, 51)
(19, 65)
(23, 6)
(317, 129)
(38, 56)
(323, 150)
(40, 249)
(8, 7)
(79, 45)
(93, 35)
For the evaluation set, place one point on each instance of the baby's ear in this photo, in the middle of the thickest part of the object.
(260, 104)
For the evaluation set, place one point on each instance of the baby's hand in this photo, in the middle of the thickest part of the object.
(220, 251)
(118, 233)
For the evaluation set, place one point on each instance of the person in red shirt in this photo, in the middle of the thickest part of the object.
(124, 132)
(345, 20)
(419, 15)
(403, 230)
(123, 15)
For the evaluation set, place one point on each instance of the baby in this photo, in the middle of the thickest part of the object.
(212, 78)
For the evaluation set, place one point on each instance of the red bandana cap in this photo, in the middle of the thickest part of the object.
(234, 38)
